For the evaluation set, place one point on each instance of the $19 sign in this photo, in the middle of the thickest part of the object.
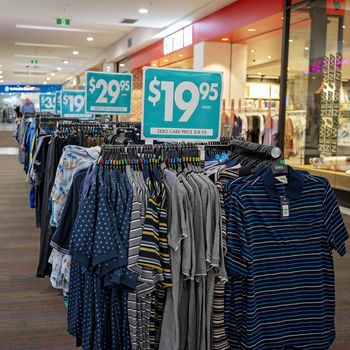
(181, 104)
(108, 92)
(73, 104)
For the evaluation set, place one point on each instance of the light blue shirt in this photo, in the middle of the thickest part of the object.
(28, 108)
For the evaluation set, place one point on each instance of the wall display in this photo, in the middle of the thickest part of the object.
(108, 92)
(58, 102)
(73, 104)
(181, 104)
(47, 102)
(330, 104)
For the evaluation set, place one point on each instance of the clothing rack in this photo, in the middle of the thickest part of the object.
(273, 152)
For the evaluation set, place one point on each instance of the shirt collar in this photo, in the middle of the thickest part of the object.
(294, 187)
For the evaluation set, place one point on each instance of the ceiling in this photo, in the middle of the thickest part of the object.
(28, 31)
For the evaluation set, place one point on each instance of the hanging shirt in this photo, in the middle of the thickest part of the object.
(282, 261)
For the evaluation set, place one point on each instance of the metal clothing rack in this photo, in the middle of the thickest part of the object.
(241, 144)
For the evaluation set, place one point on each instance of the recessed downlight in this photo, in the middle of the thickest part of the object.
(59, 68)
(65, 62)
(166, 60)
(121, 64)
(251, 30)
(290, 40)
(225, 39)
(306, 48)
(1, 76)
(269, 57)
(44, 82)
(75, 52)
(259, 73)
(154, 64)
(252, 51)
(48, 78)
(90, 38)
(181, 55)
(1, 81)
(53, 74)
(143, 11)
(344, 27)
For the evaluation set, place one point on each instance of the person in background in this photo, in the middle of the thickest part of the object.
(18, 113)
(28, 106)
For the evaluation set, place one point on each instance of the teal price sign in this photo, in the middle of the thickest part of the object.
(181, 104)
(73, 104)
(47, 103)
(108, 92)
(58, 102)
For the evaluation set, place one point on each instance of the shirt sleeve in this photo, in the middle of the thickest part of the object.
(238, 256)
(333, 222)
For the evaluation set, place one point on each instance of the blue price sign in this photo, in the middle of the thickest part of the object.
(108, 92)
(181, 104)
(73, 104)
(58, 102)
(47, 102)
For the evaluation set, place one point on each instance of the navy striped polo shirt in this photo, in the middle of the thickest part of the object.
(281, 289)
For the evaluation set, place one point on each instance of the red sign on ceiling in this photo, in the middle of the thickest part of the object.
(336, 7)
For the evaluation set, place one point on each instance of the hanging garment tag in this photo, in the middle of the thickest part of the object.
(284, 207)
(282, 179)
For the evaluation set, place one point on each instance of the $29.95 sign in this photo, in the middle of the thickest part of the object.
(108, 92)
(73, 104)
(181, 104)
(47, 102)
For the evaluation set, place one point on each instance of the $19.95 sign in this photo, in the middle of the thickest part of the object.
(108, 92)
(181, 104)
(73, 104)
(47, 102)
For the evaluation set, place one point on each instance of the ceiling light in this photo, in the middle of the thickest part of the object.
(306, 48)
(65, 62)
(1, 81)
(43, 45)
(288, 68)
(44, 82)
(252, 51)
(75, 52)
(143, 11)
(166, 60)
(0, 71)
(269, 57)
(58, 68)
(53, 74)
(154, 64)
(90, 38)
(1, 76)
(48, 78)
(259, 73)
(251, 30)
(290, 40)
(181, 55)
(344, 27)
(0, 65)
(122, 65)
(225, 39)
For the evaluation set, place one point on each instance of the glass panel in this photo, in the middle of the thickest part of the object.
(317, 136)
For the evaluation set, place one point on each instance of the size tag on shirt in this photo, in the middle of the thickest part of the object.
(282, 179)
(284, 207)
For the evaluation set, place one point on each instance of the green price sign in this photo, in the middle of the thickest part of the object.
(73, 104)
(108, 92)
(181, 104)
(47, 102)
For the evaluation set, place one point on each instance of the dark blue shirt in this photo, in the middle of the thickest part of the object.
(281, 268)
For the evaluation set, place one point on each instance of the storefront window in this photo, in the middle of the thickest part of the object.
(317, 136)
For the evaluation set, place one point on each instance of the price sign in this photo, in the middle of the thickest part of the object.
(58, 99)
(108, 92)
(181, 104)
(73, 104)
(47, 102)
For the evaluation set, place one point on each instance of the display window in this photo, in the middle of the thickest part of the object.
(317, 136)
